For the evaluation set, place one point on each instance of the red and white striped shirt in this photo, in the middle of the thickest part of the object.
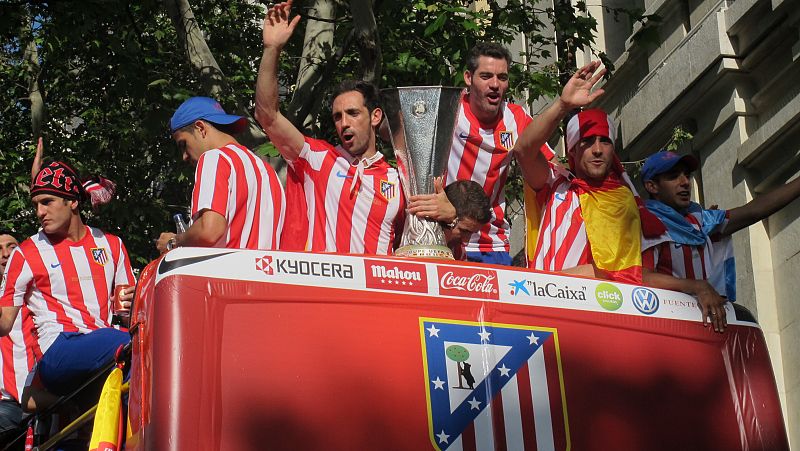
(343, 218)
(480, 152)
(236, 183)
(18, 352)
(682, 260)
(67, 285)
(562, 241)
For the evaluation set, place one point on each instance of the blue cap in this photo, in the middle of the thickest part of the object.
(207, 109)
(661, 162)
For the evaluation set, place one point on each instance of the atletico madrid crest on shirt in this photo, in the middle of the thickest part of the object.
(99, 255)
(507, 140)
(388, 190)
(493, 386)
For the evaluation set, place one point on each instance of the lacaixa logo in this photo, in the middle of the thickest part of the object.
(608, 296)
(468, 282)
(398, 276)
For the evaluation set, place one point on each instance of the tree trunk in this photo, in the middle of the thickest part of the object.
(33, 70)
(366, 35)
(201, 58)
(197, 50)
(318, 48)
(565, 42)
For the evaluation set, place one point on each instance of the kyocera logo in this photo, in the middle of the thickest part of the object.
(645, 300)
(270, 266)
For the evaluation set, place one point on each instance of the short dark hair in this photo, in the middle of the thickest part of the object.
(469, 200)
(229, 129)
(368, 90)
(491, 49)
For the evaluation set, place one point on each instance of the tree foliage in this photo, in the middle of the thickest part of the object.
(112, 72)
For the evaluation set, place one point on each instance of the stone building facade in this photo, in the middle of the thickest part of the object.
(725, 71)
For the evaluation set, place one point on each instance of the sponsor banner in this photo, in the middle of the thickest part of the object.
(265, 266)
(425, 278)
(553, 290)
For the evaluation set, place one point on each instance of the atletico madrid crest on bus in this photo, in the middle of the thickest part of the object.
(388, 190)
(493, 386)
(507, 140)
(99, 255)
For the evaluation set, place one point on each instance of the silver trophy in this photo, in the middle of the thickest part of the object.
(421, 122)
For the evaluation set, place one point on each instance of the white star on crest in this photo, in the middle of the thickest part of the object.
(504, 371)
(438, 383)
(474, 404)
(533, 339)
(484, 335)
(434, 332)
(442, 437)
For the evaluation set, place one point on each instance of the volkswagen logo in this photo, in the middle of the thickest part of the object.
(645, 300)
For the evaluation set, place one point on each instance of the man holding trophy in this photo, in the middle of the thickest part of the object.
(489, 133)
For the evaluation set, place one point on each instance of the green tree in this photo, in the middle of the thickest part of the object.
(99, 80)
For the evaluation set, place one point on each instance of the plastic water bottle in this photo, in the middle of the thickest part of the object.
(180, 226)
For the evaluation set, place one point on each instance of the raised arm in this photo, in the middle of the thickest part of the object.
(283, 134)
(762, 206)
(37, 159)
(577, 93)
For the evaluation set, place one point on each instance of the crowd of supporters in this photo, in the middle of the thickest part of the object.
(585, 218)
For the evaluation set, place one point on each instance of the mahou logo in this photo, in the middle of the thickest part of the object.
(397, 276)
(468, 282)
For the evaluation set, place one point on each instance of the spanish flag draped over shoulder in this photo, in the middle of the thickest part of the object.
(612, 211)
(108, 426)
(613, 228)
(611, 214)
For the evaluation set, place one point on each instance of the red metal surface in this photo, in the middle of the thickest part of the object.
(225, 364)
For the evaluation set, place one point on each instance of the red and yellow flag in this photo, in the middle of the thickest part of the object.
(107, 430)
(611, 215)
(613, 229)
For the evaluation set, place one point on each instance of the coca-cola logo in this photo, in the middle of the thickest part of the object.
(397, 276)
(468, 282)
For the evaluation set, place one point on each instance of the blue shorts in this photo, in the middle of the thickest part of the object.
(494, 258)
(74, 357)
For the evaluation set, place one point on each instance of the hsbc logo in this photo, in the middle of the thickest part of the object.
(397, 276)
(645, 300)
(270, 266)
(468, 282)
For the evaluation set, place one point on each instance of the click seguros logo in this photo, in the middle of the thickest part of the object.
(608, 296)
